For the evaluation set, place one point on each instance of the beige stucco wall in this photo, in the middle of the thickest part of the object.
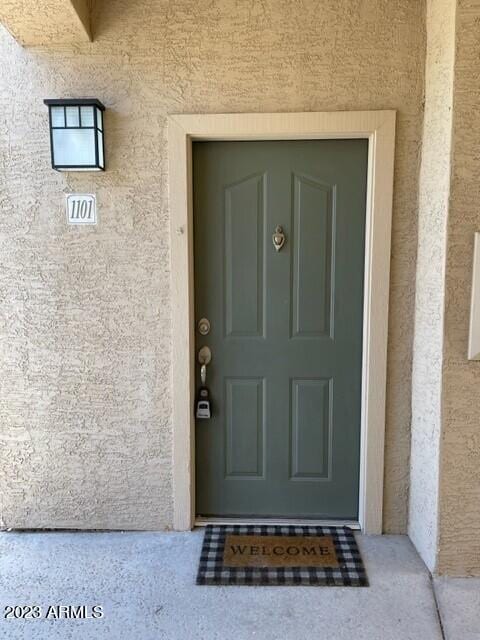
(41, 22)
(459, 516)
(85, 406)
(434, 192)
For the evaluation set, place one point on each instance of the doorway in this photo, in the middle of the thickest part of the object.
(376, 127)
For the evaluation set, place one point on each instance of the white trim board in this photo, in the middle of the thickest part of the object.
(474, 330)
(379, 128)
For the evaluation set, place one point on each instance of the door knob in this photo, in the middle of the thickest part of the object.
(204, 358)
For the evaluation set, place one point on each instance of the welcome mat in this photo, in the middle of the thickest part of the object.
(280, 555)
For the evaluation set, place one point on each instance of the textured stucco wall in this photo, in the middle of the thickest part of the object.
(459, 548)
(434, 191)
(85, 430)
(84, 10)
(39, 22)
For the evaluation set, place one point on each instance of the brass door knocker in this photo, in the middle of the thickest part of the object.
(278, 238)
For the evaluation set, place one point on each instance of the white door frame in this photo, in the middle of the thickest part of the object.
(379, 128)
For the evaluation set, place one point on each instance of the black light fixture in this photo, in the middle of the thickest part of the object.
(76, 134)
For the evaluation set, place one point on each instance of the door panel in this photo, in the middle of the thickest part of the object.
(286, 327)
(311, 429)
(312, 262)
(244, 269)
(245, 425)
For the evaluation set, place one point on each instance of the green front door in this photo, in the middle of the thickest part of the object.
(286, 326)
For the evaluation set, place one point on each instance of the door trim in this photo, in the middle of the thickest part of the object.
(379, 128)
(280, 522)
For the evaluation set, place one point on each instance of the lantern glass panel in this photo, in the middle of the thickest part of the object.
(87, 116)
(73, 119)
(58, 116)
(99, 119)
(100, 148)
(74, 147)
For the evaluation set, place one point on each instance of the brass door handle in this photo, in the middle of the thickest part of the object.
(204, 358)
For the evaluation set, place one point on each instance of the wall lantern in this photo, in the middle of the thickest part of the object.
(76, 134)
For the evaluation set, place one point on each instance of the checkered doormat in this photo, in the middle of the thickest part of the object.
(216, 564)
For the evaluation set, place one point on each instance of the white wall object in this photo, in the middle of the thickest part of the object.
(474, 334)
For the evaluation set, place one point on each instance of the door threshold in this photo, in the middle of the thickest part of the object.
(300, 522)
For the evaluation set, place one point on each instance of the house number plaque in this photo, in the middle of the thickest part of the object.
(81, 208)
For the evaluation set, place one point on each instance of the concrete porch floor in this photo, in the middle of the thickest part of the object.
(146, 584)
